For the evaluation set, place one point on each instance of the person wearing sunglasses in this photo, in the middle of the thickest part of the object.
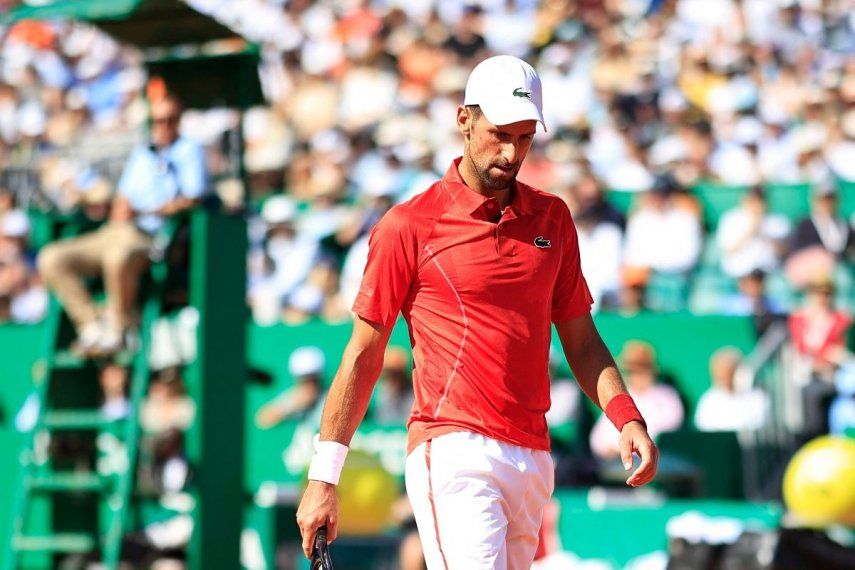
(162, 177)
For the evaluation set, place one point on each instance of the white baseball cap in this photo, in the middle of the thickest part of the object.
(306, 361)
(278, 210)
(507, 89)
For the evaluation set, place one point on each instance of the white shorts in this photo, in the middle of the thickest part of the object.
(478, 502)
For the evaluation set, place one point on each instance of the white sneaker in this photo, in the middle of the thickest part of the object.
(110, 341)
(88, 338)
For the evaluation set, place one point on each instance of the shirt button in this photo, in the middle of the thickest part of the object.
(490, 205)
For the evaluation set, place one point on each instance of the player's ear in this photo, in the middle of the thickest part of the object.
(464, 121)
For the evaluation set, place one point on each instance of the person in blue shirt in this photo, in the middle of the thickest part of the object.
(841, 414)
(160, 179)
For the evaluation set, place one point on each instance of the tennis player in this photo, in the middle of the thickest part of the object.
(480, 265)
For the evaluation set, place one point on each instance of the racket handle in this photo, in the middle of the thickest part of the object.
(320, 552)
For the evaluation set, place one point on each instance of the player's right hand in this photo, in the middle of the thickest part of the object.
(319, 506)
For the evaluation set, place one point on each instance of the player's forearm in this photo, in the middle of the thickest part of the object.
(597, 373)
(592, 363)
(348, 397)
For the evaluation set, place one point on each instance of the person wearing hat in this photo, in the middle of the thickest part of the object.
(481, 266)
(306, 367)
(282, 262)
(161, 178)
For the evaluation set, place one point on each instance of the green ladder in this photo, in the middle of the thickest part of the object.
(90, 503)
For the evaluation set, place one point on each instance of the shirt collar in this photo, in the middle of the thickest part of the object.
(469, 201)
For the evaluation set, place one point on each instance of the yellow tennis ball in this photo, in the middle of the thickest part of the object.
(819, 484)
(366, 494)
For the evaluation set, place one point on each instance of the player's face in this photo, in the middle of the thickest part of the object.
(496, 152)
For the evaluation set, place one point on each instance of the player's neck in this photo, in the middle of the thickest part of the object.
(473, 181)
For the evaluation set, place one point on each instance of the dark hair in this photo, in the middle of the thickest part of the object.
(475, 111)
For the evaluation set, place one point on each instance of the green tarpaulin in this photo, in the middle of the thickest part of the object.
(143, 23)
(202, 80)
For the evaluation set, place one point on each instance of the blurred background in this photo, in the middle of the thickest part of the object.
(163, 374)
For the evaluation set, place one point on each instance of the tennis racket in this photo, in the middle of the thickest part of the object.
(321, 551)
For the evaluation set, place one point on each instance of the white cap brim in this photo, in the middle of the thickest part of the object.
(502, 115)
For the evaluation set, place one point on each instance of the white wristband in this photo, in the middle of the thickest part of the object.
(327, 461)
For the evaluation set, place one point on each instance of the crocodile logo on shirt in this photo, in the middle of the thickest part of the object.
(523, 93)
(542, 242)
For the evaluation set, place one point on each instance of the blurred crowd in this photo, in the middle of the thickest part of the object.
(640, 97)
(649, 97)
(644, 101)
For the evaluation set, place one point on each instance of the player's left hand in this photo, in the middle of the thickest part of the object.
(634, 439)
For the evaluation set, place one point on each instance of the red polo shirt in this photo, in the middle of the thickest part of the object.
(479, 298)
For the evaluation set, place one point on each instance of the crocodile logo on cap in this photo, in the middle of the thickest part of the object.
(520, 92)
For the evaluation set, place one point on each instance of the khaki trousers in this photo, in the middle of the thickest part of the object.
(117, 251)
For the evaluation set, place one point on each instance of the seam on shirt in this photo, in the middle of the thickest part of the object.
(462, 340)
(434, 222)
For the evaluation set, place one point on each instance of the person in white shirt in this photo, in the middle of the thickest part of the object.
(723, 407)
(749, 237)
(600, 248)
(661, 235)
(280, 262)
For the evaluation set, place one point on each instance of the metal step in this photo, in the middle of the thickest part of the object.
(64, 542)
(65, 482)
(77, 419)
(70, 360)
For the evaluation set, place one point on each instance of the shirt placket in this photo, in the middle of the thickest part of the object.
(504, 246)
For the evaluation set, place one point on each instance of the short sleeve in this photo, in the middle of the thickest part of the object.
(392, 261)
(192, 178)
(130, 174)
(570, 297)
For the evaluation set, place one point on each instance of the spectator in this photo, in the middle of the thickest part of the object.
(818, 330)
(22, 298)
(306, 367)
(164, 471)
(752, 300)
(662, 235)
(393, 399)
(633, 294)
(113, 379)
(659, 403)
(600, 229)
(564, 395)
(600, 245)
(160, 179)
(841, 415)
(820, 240)
(280, 262)
(591, 198)
(749, 237)
(724, 408)
(167, 406)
